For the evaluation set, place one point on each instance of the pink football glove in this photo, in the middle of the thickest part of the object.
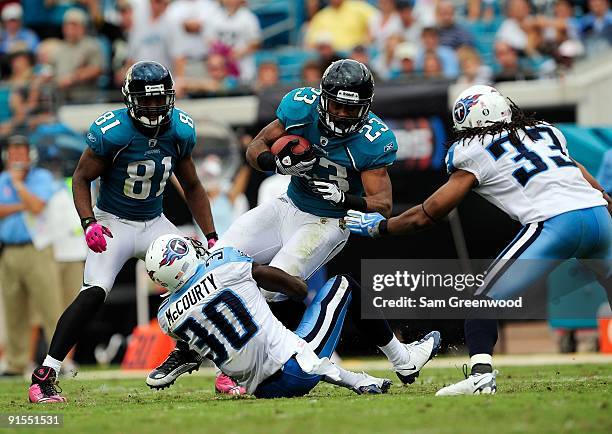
(94, 235)
(211, 243)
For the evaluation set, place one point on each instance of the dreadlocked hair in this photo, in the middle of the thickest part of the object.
(520, 121)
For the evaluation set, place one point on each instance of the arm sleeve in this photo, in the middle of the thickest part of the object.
(187, 136)
(459, 158)
(294, 114)
(561, 138)
(384, 158)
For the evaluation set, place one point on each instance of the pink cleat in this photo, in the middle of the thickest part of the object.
(224, 384)
(43, 389)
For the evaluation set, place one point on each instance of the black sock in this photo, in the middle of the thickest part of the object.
(482, 368)
(74, 319)
(376, 331)
(480, 335)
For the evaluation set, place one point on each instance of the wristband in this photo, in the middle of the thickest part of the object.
(266, 161)
(85, 222)
(382, 227)
(357, 203)
(212, 235)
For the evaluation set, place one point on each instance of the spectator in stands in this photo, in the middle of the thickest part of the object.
(517, 29)
(311, 73)
(480, 10)
(360, 54)
(28, 274)
(562, 26)
(190, 20)
(451, 34)
(325, 49)
(431, 45)
(78, 62)
(42, 97)
(227, 198)
(510, 68)
(596, 26)
(432, 65)
(405, 56)
(22, 72)
(425, 12)
(347, 21)
(311, 7)
(116, 31)
(217, 79)
(411, 29)
(268, 75)
(472, 70)
(384, 24)
(151, 37)
(385, 63)
(237, 29)
(13, 31)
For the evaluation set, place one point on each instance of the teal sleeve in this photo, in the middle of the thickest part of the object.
(95, 141)
(297, 107)
(189, 144)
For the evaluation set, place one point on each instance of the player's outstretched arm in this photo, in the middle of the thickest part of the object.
(196, 197)
(419, 217)
(258, 152)
(276, 280)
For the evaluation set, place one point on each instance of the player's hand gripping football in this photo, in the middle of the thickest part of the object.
(94, 236)
(288, 162)
(364, 224)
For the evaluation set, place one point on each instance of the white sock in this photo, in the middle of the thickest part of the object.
(348, 379)
(484, 359)
(53, 363)
(395, 352)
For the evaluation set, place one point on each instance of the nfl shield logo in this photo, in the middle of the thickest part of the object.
(152, 143)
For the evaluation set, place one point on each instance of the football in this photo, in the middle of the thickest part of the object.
(297, 146)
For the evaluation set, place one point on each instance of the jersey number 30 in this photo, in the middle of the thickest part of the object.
(219, 310)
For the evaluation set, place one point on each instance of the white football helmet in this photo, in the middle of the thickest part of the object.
(171, 260)
(480, 106)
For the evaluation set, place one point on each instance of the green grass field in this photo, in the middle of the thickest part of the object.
(536, 399)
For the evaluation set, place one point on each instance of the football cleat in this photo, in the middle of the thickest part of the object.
(176, 364)
(418, 354)
(226, 385)
(372, 385)
(474, 384)
(43, 389)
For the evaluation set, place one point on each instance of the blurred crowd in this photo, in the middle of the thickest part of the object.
(62, 51)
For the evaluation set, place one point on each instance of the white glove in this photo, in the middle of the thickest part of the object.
(328, 190)
(285, 166)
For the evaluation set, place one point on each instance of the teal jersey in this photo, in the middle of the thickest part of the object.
(132, 188)
(339, 159)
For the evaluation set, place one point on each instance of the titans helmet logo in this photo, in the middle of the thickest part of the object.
(463, 106)
(175, 249)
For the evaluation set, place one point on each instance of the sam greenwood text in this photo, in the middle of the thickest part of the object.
(452, 302)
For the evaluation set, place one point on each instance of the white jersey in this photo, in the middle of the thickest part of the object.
(221, 313)
(531, 183)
